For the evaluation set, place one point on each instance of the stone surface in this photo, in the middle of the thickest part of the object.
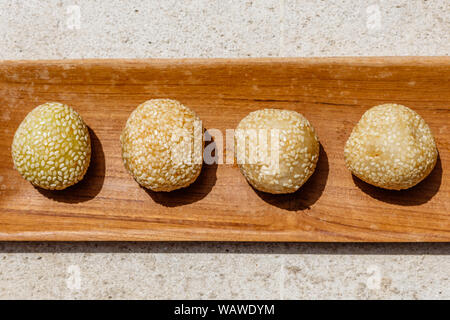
(118, 29)
(366, 28)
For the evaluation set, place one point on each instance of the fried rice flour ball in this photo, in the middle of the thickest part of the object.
(162, 145)
(52, 148)
(391, 147)
(276, 150)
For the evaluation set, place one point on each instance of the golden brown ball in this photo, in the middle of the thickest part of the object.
(391, 147)
(162, 145)
(276, 150)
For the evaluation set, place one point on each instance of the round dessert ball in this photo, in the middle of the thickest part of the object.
(276, 150)
(391, 147)
(52, 147)
(162, 145)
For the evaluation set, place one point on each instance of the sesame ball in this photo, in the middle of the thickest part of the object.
(162, 145)
(276, 150)
(391, 147)
(52, 147)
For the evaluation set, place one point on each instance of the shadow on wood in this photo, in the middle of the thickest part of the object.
(308, 194)
(195, 192)
(417, 195)
(92, 182)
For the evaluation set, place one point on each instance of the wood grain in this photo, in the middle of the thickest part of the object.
(332, 93)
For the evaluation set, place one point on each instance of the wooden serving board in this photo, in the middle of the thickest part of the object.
(332, 93)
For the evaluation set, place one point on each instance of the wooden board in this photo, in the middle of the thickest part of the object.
(332, 93)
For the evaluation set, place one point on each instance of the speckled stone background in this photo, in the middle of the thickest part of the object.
(223, 28)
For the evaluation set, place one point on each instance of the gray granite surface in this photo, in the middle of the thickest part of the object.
(222, 28)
